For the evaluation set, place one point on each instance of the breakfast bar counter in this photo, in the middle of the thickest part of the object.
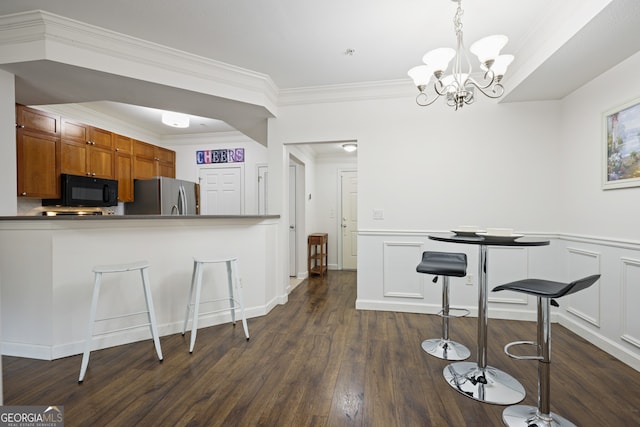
(46, 273)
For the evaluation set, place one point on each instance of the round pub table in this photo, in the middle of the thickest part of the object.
(478, 380)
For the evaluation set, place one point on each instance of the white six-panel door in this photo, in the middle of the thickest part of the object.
(349, 219)
(221, 190)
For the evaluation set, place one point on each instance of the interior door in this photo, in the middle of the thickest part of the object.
(292, 221)
(221, 191)
(349, 219)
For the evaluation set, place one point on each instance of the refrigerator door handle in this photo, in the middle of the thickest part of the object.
(183, 201)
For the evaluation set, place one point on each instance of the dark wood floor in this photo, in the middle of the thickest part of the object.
(316, 361)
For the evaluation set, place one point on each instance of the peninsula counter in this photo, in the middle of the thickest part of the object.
(46, 274)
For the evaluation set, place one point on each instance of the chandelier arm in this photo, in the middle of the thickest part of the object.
(426, 97)
(490, 81)
(496, 90)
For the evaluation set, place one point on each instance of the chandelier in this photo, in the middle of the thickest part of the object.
(459, 87)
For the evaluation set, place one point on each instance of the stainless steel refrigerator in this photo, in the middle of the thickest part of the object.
(162, 196)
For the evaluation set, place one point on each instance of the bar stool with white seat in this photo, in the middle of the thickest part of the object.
(143, 266)
(233, 282)
(445, 264)
(546, 291)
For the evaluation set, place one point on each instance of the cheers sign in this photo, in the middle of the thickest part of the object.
(231, 155)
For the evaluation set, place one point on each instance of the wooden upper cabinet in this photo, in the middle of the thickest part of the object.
(37, 153)
(37, 121)
(150, 160)
(86, 150)
(166, 165)
(37, 166)
(123, 162)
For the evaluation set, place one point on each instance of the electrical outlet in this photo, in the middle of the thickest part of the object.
(469, 279)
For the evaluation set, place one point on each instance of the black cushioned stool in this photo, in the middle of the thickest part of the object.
(545, 290)
(445, 264)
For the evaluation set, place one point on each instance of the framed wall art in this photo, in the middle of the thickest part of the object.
(621, 151)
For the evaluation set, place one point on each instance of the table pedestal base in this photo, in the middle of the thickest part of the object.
(525, 416)
(489, 385)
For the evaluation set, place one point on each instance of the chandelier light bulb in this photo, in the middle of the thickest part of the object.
(500, 65)
(421, 75)
(489, 47)
(438, 59)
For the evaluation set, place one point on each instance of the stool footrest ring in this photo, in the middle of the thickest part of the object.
(464, 311)
(514, 356)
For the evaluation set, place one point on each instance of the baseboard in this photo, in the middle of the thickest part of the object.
(128, 336)
(603, 343)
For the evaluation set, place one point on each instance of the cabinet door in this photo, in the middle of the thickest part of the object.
(73, 157)
(37, 121)
(123, 147)
(143, 167)
(74, 144)
(122, 144)
(143, 149)
(101, 138)
(38, 174)
(124, 175)
(101, 162)
(166, 159)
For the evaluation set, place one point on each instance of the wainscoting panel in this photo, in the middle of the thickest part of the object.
(584, 304)
(504, 265)
(630, 272)
(399, 270)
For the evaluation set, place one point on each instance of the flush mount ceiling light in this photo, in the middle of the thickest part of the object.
(176, 120)
(350, 147)
(459, 87)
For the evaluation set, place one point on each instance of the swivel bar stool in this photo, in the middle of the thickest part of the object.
(445, 264)
(545, 290)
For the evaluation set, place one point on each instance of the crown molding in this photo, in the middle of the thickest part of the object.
(401, 88)
(228, 137)
(37, 35)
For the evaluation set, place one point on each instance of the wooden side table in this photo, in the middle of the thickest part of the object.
(317, 253)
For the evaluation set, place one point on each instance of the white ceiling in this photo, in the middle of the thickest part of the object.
(558, 45)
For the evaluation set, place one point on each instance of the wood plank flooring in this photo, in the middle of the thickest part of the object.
(316, 361)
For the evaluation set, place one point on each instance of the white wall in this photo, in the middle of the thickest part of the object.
(8, 144)
(588, 209)
(186, 167)
(491, 165)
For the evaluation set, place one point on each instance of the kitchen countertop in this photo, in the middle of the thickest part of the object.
(129, 217)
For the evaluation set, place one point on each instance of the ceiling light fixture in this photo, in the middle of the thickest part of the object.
(459, 87)
(176, 120)
(350, 148)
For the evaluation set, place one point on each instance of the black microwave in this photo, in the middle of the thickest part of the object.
(86, 191)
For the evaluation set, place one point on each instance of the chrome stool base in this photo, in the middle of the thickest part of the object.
(445, 349)
(489, 384)
(528, 416)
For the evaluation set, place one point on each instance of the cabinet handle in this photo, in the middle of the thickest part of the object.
(93, 174)
(24, 194)
(19, 126)
(117, 149)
